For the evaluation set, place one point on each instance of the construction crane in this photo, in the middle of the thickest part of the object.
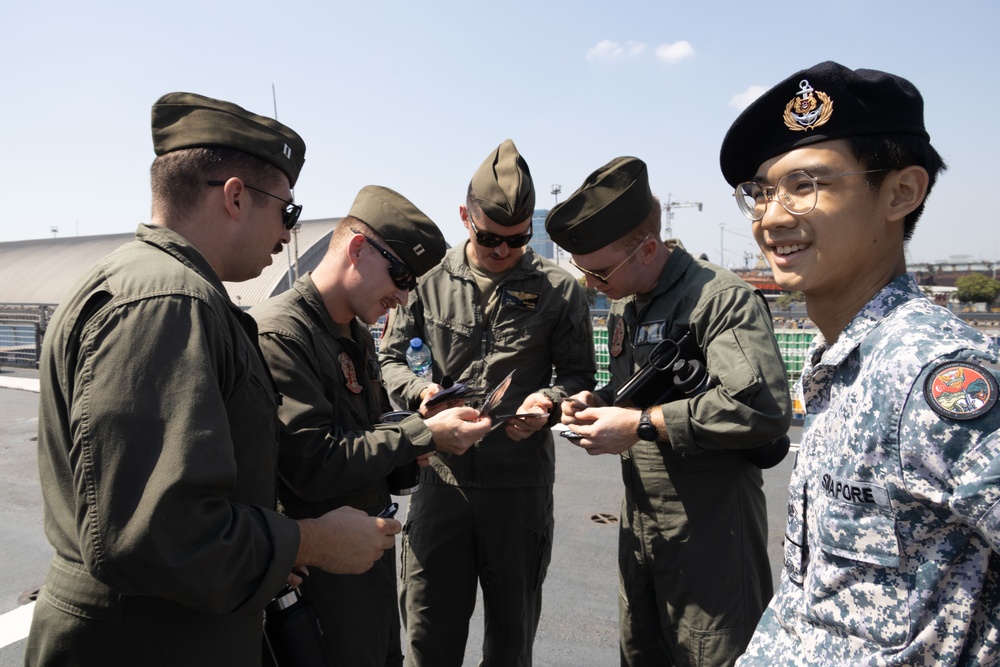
(669, 208)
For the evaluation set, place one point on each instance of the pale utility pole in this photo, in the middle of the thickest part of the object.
(722, 254)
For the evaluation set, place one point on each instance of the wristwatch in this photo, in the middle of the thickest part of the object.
(645, 430)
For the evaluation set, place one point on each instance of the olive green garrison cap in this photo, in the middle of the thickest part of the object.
(188, 120)
(502, 186)
(404, 227)
(611, 202)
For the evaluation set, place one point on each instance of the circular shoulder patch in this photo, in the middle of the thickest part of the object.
(960, 390)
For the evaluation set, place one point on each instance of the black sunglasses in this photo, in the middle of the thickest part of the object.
(400, 273)
(289, 216)
(488, 240)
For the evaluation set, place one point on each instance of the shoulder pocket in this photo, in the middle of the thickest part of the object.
(727, 359)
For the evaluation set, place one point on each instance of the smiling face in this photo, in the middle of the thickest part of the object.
(844, 250)
(376, 293)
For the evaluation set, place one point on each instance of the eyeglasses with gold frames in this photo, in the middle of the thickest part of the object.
(606, 278)
(797, 192)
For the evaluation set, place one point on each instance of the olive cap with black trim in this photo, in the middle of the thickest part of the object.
(404, 227)
(503, 188)
(189, 120)
(825, 102)
(612, 201)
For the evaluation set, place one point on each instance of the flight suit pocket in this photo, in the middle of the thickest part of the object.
(449, 326)
(854, 582)
(717, 647)
(521, 328)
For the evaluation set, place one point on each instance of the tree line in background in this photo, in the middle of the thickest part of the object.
(977, 288)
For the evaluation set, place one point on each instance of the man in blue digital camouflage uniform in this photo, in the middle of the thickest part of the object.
(892, 549)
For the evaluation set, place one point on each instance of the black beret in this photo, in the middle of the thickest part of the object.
(825, 102)
(404, 227)
(187, 120)
(611, 202)
(502, 186)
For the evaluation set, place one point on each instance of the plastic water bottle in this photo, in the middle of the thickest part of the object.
(418, 357)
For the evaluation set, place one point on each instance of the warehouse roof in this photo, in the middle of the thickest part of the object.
(42, 271)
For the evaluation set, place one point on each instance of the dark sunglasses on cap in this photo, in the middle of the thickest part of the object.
(290, 214)
(488, 240)
(400, 273)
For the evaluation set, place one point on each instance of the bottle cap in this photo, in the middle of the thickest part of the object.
(285, 599)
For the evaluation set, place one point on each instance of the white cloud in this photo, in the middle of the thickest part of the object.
(742, 100)
(612, 50)
(672, 53)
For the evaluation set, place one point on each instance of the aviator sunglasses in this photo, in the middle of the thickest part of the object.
(290, 214)
(400, 273)
(488, 240)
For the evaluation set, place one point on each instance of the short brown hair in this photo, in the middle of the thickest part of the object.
(650, 226)
(178, 178)
(348, 226)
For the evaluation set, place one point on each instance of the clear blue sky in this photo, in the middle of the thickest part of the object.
(413, 95)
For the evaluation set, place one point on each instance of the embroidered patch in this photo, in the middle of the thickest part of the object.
(855, 492)
(513, 298)
(808, 110)
(617, 338)
(960, 390)
(651, 333)
(350, 374)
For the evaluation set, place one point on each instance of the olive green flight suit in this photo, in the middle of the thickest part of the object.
(693, 566)
(157, 445)
(333, 454)
(486, 516)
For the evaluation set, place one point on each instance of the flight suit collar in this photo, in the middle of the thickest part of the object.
(673, 271)
(181, 249)
(307, 290)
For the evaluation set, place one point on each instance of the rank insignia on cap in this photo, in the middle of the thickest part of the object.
(809, 109)
(960, 390)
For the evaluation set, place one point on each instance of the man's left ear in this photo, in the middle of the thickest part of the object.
(907, 188)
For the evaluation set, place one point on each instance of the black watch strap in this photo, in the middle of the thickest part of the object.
(645, 430)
